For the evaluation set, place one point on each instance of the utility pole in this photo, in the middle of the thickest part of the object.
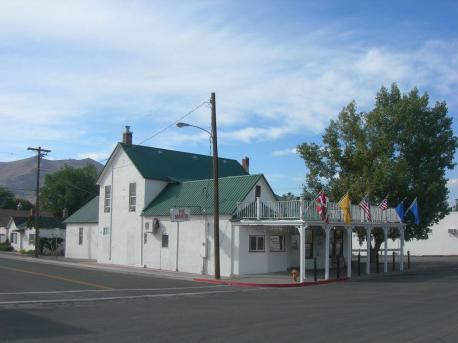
(40, 153)
(215, 188)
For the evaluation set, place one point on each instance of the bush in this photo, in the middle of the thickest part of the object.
(27, 252)
(6, 246)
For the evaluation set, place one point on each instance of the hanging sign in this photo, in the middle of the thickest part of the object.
(180, 214)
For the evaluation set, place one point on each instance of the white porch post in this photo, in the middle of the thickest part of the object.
(368, 250)
(349, 249)
(302, 252)
(258, 208)
(385, 260)
(327, 230)
(401, 253)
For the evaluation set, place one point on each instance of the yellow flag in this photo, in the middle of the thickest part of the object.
(344, 204)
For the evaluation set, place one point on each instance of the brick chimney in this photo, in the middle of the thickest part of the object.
(246, 164)
(127, 136)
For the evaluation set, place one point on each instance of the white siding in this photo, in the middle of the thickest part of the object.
(195, 241)
(89, 247)
(123, 244)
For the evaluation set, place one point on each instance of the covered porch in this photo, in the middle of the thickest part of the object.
(325, 244)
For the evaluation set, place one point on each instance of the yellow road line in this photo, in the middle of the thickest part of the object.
(55, 277)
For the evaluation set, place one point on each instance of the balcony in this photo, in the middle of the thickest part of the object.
(306, 210)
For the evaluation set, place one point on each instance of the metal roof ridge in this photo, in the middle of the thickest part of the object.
(223, 177)
(179, 151)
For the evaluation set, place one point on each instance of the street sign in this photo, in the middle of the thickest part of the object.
(180, 214)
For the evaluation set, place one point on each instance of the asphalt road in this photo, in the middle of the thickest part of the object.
(51, 303)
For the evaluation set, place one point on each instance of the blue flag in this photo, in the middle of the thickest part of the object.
(400, 210)
(414, 209)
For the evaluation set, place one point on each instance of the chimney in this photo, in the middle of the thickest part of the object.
(246, 164)
(127, 136)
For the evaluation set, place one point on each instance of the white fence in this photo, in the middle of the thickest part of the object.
(307, 210)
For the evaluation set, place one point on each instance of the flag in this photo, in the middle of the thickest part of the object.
(321, 207)
(400, 210)
(414, 209)
(366, 207)
(384, 204)
(344, 204)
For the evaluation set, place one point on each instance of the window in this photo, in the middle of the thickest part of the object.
(106, 231)
(31, 238)
(107, 201)
(145, 238)
(132, 196)
(257, 243)
(277, 243)
(165, 241)
(14, 237)
(80, 236)
(258, 191)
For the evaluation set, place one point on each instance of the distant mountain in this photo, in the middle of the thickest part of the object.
(20, 176)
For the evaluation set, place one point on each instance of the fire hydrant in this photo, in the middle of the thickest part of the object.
(294, 275)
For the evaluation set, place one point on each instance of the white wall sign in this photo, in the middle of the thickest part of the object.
(180, 214)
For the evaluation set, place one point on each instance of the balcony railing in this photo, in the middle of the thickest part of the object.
(307, 210)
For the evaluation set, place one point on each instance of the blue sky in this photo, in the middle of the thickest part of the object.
(74, 73)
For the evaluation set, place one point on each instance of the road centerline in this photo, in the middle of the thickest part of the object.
(56, 277)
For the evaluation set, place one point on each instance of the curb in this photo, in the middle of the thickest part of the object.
(270, 285)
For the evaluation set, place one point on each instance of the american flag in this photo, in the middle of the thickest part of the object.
(321, 207)
(366, 206)
(383, 205)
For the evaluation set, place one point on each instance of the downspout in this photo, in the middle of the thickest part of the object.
(142, 242)
(111, 208)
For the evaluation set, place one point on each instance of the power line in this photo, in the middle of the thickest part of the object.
(174, 123)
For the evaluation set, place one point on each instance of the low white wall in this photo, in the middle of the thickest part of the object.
(89, 247)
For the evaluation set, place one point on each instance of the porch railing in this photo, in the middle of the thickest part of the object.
(307, 210)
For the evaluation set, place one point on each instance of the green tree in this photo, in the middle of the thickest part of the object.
(68, 188)
(6, 198)
(402, 147)
(287, 196)
(9, 201)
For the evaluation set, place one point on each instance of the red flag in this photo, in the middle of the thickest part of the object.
(321, 206)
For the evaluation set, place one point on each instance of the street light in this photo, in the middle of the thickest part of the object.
(214, 139)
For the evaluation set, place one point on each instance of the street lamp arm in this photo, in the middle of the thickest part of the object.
(181, 125)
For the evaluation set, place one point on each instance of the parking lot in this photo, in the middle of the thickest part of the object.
(52, 303)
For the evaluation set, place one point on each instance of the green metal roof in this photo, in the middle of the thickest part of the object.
(44, 223)
(170, 165)
(89, 213)
(198, 195)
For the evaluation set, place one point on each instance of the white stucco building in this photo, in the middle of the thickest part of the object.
(5, 216)
(139, 186)
(442, 240)
(22, 237)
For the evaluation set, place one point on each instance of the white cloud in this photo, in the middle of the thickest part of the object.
(75, 58)
(451, 183)
(284, 152)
